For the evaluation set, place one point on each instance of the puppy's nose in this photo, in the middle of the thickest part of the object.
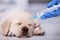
(25, 29)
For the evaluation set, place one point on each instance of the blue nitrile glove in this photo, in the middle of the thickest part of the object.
(54, 13)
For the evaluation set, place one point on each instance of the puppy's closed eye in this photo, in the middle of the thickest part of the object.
(19, 23)
(29, 24)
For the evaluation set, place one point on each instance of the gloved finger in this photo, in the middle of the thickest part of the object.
(58, 1)
(53, 2)
(50, 15)
(46, 15)
(58, 9)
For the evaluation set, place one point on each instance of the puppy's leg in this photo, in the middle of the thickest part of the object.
(38, 31)
(36, 23)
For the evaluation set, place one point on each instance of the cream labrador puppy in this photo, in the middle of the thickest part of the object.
(21, 24)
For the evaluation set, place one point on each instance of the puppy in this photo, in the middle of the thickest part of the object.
(21, 24)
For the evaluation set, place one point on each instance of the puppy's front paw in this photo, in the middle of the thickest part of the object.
(39, 32)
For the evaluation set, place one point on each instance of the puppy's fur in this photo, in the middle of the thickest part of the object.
(20, 19)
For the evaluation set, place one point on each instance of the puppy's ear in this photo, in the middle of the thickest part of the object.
(5, 27)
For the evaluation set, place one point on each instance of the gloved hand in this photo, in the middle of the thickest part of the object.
(54, 13)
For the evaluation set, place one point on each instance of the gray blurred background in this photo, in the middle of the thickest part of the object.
(51, 25)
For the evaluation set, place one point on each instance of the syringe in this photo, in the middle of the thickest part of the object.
(55, 7)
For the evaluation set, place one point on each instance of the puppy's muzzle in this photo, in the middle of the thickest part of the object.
(25, 30)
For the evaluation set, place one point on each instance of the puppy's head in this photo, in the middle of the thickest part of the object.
(19, 24)
(22, 29)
